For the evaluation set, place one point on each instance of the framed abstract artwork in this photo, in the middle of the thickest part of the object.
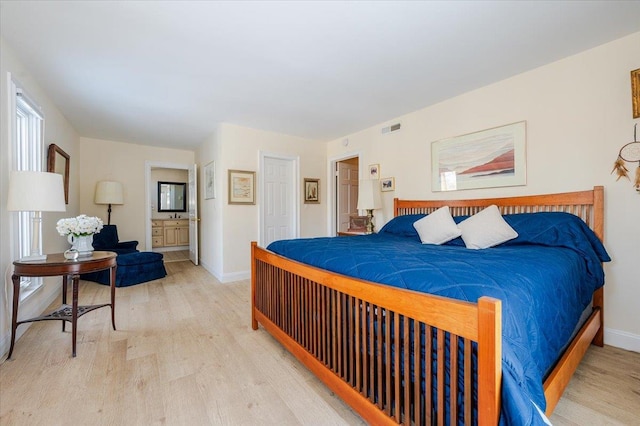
(485, 159)
(242, 186)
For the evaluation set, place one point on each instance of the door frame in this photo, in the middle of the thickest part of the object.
(194, 220)
(148, 165)
(331, 187)
(295, 197)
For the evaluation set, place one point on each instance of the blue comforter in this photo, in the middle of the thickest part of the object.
(545, 279)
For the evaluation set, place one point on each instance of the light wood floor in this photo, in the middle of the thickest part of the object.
(175, 256)
(185, 354)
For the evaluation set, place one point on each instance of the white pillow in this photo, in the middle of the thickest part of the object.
(486, 229)
(437, 227)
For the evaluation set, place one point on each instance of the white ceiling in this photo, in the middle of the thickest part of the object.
(165, 73)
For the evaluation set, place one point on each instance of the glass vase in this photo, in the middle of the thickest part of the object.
(83, 244)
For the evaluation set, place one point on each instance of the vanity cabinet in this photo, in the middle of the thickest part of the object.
(169, 232)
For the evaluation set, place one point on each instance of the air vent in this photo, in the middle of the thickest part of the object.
(391, 129)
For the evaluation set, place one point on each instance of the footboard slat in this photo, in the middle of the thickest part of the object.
(378, 354)
(407, 379)
(371, 354)
(467, 377)
(440, 377)
(387, 342)
(429, 373)
(370, 344)
(454, 374)
(396, 371)
(417, 368)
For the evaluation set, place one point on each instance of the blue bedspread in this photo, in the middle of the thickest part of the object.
(545, 279)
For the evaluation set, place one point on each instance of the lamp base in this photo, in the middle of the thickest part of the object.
(33, 258)
(370, 226)
(109, 215)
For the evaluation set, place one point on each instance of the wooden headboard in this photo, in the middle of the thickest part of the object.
(587, 205)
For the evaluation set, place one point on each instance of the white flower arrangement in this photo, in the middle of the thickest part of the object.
(82, 225)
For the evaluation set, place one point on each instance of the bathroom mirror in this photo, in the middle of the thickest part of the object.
(172, 197)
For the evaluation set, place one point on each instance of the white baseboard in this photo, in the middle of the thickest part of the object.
(209, 269)
(235, 276)
(227, 278)
(622, 339)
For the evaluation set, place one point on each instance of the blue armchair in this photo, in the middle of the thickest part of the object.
(107, 240)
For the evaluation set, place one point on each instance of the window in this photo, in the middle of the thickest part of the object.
(27, 154)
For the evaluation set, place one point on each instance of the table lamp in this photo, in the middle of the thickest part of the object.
(108, 192)
(369, 199)
(35, 192)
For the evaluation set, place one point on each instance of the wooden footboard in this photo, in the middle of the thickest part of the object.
(363, 340)
(360, 339)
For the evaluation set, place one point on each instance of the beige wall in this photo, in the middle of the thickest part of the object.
(235, 226)
(56, 130)
(578, 113)
(125, 163)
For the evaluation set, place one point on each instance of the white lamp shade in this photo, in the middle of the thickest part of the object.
(108, 192)
(35, 192)
(369, 195)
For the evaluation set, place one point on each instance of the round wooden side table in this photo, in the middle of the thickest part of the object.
(70, 270)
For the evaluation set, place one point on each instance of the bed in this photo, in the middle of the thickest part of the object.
(400, 355)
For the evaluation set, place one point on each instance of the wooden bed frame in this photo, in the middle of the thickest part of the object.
(333, 324)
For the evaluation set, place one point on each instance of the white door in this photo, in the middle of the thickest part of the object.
(279, 200)
(192, 195)
(347, 193)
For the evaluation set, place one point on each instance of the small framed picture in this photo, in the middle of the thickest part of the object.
(387, 184)
(358, 223)
(242, 185)
(209, 181)
(374, 171)
(311, 191)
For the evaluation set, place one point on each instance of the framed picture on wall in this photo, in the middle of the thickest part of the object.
(388, 184)
(374, 171)
(242, 185)
(311, 191)
(209, 181)
(485, 159)
(358, 223)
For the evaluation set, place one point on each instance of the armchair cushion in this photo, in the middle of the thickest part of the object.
(133, 268)
(107, 240)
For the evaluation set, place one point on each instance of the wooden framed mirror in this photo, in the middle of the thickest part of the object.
(58, 162)
(172, 197)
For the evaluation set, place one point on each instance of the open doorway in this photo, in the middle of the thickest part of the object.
(171, 206)
(347, 173)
